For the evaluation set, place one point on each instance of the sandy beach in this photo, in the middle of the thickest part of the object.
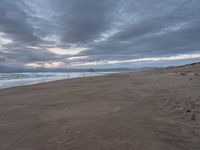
(152, 110)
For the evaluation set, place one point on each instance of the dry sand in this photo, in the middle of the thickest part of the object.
(154, 110)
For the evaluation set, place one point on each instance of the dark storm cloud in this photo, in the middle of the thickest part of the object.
(24, 54)
(107, 29)
(84, 21)
(176, 29)
(14, 22)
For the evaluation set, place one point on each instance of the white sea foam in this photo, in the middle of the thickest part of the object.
(18, 79)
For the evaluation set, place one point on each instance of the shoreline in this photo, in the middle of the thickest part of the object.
(61, 80)
(34, 81)
(105, 73)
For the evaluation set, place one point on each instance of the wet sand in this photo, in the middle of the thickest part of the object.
(153, 110)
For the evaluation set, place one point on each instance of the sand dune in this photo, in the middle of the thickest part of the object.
(154, 110)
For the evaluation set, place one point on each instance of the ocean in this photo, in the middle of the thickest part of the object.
(8, 80)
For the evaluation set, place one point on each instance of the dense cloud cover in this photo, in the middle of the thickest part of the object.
(98, 33)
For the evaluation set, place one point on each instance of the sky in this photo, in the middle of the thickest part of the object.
(98, 33)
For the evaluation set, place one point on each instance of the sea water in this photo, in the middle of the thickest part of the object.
(18, 79)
